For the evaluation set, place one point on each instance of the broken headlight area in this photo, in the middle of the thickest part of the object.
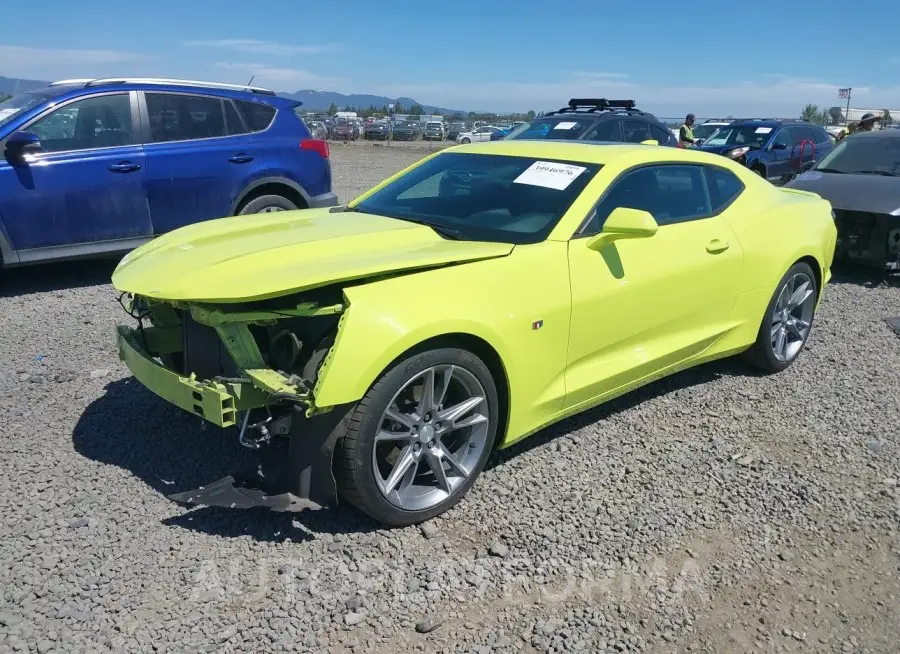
(868, 238)
(252, 366)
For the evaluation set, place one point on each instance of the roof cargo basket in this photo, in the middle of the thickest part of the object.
(602, 103)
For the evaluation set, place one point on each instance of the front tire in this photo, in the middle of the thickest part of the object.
(466, 141)
(787, 322)
(420, 437)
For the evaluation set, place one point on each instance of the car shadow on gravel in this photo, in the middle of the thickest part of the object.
(857, 275)
(131, 428)
(56, 277)
(698, 376)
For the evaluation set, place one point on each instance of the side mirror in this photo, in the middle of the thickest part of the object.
(22, 143)
(624, 223)
(778, 146)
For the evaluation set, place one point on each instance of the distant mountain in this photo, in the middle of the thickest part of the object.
(324, 99)
(12, 86)
(310, 99)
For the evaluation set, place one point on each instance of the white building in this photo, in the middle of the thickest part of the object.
(838, 114)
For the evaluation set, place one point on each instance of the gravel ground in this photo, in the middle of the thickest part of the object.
(713, 511)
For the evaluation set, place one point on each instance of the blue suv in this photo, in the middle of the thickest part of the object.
(773, 149)
(96, 167)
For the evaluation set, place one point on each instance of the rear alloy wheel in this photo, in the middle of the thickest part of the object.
(788, 320)
(267, 204)
(467, 140)
(420, 437)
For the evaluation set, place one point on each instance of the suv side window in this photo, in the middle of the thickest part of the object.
(257, 116)
(724, 187)
(636, 131)
(184, 117)
(97, 122)
(784, 137)
(605, 130)
(820, 134)
(660, 135)
(232, 120)
(670, 193)
(803, 134)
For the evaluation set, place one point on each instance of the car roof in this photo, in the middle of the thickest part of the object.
(879, 133)
(72, 88)
(591, 153)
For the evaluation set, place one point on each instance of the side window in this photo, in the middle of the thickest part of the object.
(97, 122)
(605, 130)
(671, 194)
(182, 117)
(785, 138)
(636, 131)
(820, 134)
(233, 121)
(660, 135)
(257, 116)
(724, 187)
(803, 134)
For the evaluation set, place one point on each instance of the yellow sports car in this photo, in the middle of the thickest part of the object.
(387, 346)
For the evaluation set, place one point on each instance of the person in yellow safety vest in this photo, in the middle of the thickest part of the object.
(686, 133)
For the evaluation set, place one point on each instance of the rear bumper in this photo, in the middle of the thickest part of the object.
(324, 200)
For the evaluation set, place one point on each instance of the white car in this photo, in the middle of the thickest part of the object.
(478, 134)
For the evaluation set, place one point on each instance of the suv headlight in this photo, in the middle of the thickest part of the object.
(738, 152)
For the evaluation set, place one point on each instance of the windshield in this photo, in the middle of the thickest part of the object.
(484, 197)
(18, 104)
(864, 156)
(704, 131)
(752, 135)
(557, 128)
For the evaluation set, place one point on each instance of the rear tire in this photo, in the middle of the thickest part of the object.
(444, 453)
(266, 204)
(787, 322)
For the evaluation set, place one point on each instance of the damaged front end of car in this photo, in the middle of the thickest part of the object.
(869, 239)
(251, 366)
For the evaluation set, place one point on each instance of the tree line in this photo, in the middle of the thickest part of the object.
(811, 113)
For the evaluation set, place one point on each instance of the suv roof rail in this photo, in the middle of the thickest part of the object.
(175, 82)
(67, 82)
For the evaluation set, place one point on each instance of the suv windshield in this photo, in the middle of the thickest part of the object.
(19, 103)
(704, 131)
(556, 127)
(864, 156)
(484, 197)
(752, 135)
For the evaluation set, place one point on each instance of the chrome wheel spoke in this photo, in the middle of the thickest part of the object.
(800, 295)
(445, 384)
(794, 329)
(386, 436)
(406, 460)
(457, 411)
(426, 400)
(401, 418)
(780, 342)
(435, 462)
(456, 466)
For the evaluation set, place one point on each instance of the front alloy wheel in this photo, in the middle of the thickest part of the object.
(420, 437)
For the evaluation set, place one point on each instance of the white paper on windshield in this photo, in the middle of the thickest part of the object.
(549, 175)
(565, 125)
(4, 113)
(763, 130)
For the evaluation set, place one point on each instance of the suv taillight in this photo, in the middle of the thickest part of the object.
(316, 145)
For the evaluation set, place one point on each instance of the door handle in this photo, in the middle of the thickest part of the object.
(124, 167)
(717, 245)
(241, 158)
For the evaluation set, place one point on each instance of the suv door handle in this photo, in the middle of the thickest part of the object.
(717, 245)
(124, 167)
(240, 157)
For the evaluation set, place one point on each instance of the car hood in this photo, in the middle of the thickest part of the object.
(870, 193)
(716, 149)
(261, 256)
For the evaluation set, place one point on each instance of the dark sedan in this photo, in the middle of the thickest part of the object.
(380, 130)
(404, 131)
(861, 179)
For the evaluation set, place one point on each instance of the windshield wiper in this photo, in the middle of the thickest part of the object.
(447, 232)
(883, 173)
(828, 170)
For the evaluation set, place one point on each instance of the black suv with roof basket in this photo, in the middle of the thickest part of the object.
(600, 120)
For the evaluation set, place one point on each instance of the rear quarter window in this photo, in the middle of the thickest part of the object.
(257, 116)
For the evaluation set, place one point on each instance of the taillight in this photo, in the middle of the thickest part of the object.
(316, 145)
